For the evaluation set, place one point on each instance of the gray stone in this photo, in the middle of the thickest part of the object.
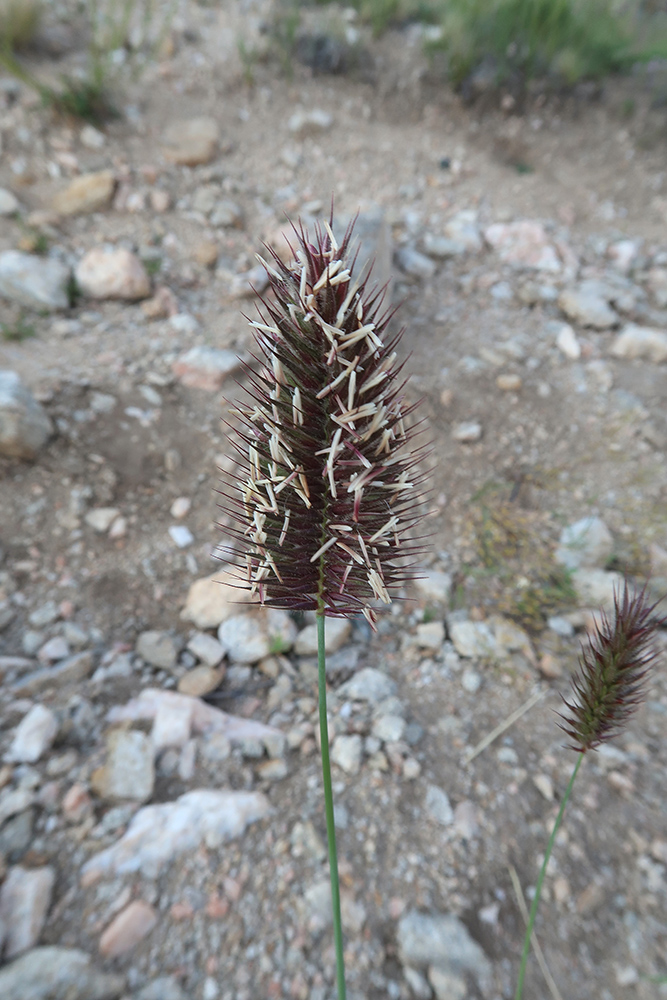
(336, 633)
(205, 367)
(561, 626)
(243, 640)
(44, 615)
(53, 650)
(34, 282)
(567, 343)
(595, 588)
(447, 985)
(14, 801)
(129, 772)
(431, 635)
(462, 229)
(442, 941)
(74, 668)
(438, 807)
(311, 121)
(227, 214)
(471, 681)
(347, 752)
(24, 425)
(35, 734)
(191, 142)
(53, 973)
(100, 519)
(587, 307)
(9, 203)
(207, 649)
(112, 274)
(433, 585)
(416, 264)
(25, 898)
(524, 244)
(467, 432)
(640, 342)
(474, 640)
(160, 649)
(389, 728)
(587, 542)
(442, 247)
(368, 685)
(16, 835)
(164, 988)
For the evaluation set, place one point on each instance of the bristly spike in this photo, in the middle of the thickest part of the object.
(328, 489)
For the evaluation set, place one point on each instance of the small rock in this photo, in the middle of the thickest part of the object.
(567, 343)
(205, 367)
(162, 305)
(53, 650)
(34, 735)
(623, 254)
(191, 142)
(466, 819)
(158, 834)
(54, 973)
(207, 253)
(587, 542)
(442, 247)
(77, 804)
(200, 681)
(347, 752)
(544, 785)
(272, 770)
(100, 519)
(312, 121)
(172, 724)
(369, 685)
(184, 323)
(561, 626)
(249, 638)
(430, 636)
(206, 648)
(523, 244)
(441, 941)
(474, 640)
(9, 203)
(127, 929)
(447, 985)
(641, 342)
(25, 898)
(34, 282)
(160, 200)
(213, 599)
(227, 214)
(550, 667)
(463, 230)
(509, 383)
(249, 283)
(467, 432)
(129, 772)
(181, 536)
(471, 681)
(389, 728)
(416, 264)
(434, 586)
(656, 280)
(73, 669)
(595, 588)
(112, 274)
(336, 633)
(24, 425)
(91, 137)
(160, 649)
(418, 984)
(438, 807)
(587, 307)
(164, 988)
(88, 193)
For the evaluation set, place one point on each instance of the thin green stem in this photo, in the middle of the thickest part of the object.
(540, 880)
(328, 807)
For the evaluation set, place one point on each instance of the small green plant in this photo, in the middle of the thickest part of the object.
(19, 22)
(152, 265)
(18, 331)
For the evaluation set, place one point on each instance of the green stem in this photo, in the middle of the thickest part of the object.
(540, 880)
(328, 807)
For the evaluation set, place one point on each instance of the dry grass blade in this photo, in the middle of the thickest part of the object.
(503, 726)
(539, 954)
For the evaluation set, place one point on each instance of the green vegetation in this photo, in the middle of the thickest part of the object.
(18, 331)
(19, 21)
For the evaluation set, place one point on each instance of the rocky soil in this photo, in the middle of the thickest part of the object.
(161, 814)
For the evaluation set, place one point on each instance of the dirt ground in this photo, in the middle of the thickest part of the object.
(575, 437)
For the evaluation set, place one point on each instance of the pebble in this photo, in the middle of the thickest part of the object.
(53, 650)
(160, 649)
(24, 425)
(157, 834)
(100, 519)
(272, 770)
(205, 367)
(162, 304)
(550, 667)
(567, 343)
(443, 942)
(369, 685)
(180, 507)
(206, 648)
(656, 279)
(87, 193)
(587, 307)
(347, 752)
(181, 535)
(191, 142)
(36, 974)
(77, 804)
(642, 342)
(544, 785)
(308, 122)
(466, 819)
(207, 253)
(442, 247)
(430, 636)
(91, 137)
(433, 585)
(595, 588)
(623, 254)
(438, 806)
(227, 215)
(337, 631)
(184, 323)
(416, 264)
(25, 898)
(213, 599)
(418, 984)
(112, 274)
(15, 801)
(9, 203)
(523, 244)
(467, 432)
(172, 724)
(164, 988)
(39, 283)
(34, 735)
(471, 681)
(509, 382)
(463, 230)
(561, 626)
(388, 728)
(447, 985)
(70, 671)
(587, 542)
(129, 772)
(128, 928)
(243, 638)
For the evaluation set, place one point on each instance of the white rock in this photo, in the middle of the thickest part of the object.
(347, 752)
(35, 282)
(336, 633)
(54, 973)
(442, 941)
(447, 985)
(467, 432)
(205, 367)
(24, 425)
(463, 230)
(100, 519)
(433, 585)
(9, 203)
(25, 898)
(112, 274)
(309, 122)
(158, 834)
(587, 542)
(586, 306)
(180, 507)
(129, 772)
(369, 685)
(160, 649)
(431, 635)
(191, 142)
(91, 137)
(544, 785)
(207, 649)
(438, 807)
(523, 244)
(181, 535)
(567, 343)
(388, 728)
(641, 342)
(623, 254)
(595, 588)
(249, 638)
(34, 735)
(471, 681)
(416, 264)
(474, 640)
(172, 725)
